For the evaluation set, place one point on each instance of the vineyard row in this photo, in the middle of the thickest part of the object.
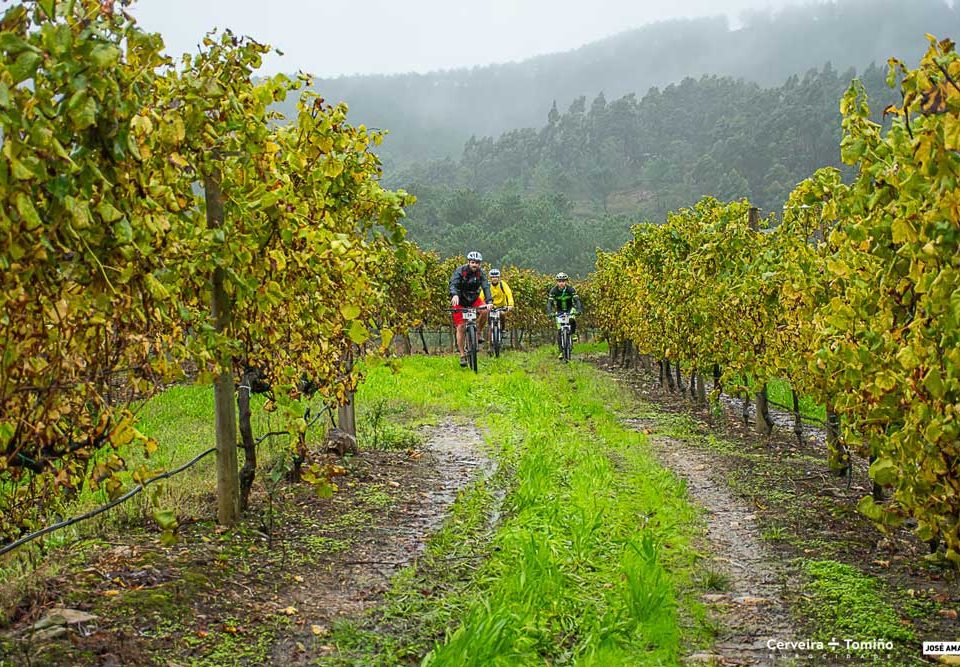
(854, 297)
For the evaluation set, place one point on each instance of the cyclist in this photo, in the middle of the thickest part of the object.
(502, 296)
(563, 298)
(466, 285)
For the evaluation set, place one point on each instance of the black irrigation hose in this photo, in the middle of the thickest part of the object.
(103, 508)
(134, 491)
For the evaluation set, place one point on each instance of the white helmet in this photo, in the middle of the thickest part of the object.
(494, 273)
(474, 255)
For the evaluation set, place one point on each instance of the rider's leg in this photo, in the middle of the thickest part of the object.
(483, 334)
(573, 327)
(460, 328)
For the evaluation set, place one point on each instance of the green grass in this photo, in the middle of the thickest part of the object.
(779, 391)
(591, 348)
(578, 550)
(852, 604)
(842, 602)
(181, 420)
(378, 426)
(591, 561)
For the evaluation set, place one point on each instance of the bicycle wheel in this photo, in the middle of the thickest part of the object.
(566, 344)
(472, 347)
(496, 338)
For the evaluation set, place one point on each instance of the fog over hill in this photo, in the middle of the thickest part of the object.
(432, 115)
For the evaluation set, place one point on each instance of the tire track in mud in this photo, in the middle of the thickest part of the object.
(753, 611)
(356, 579)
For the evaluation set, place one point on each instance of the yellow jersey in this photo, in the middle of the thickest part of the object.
(502, 296)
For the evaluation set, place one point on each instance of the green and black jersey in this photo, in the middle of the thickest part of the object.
(563, 300)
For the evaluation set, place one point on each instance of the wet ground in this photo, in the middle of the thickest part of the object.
(752, 609)
(357, 578)
(264, 593)
(771, 503)
(268, 591)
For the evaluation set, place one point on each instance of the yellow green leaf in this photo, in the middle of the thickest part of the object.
(27, 212)
(166, 519)
(332, 168)
(951, 131)
(357, 332)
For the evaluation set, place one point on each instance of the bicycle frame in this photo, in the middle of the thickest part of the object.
(496, 332)
(470, 343)
(564, 337)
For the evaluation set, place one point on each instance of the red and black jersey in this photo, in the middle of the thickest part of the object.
(467, 284)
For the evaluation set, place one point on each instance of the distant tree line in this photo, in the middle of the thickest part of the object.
(549, 197)
(538, 231)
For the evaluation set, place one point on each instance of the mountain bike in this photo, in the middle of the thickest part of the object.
(470, 342)
(564, 337)
(496, 330)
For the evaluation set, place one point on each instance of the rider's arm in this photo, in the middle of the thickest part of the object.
(485, 284)
(577, 304)
(455, 282)
(507, 292)
(550, 302)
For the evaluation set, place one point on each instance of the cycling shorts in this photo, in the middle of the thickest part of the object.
(458, 316)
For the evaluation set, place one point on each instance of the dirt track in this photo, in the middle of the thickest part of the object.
(752, 610)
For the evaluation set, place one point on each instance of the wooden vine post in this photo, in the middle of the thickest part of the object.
(346, 415)
(764, 424)
(228, 475)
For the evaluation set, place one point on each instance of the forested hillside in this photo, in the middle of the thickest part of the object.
(432, 115)
(551, 196)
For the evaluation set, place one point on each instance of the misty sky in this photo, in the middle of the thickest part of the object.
(330, 37)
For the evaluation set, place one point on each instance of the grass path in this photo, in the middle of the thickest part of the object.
(521, 516)
(591, 561)
(573, 546)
